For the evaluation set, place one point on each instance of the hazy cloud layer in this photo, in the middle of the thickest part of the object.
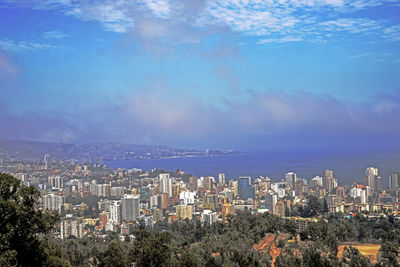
(157, 115)
(9, 68)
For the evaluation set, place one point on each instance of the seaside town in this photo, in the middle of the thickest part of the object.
(92, 199)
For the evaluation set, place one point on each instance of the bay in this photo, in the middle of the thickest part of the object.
(347, 167)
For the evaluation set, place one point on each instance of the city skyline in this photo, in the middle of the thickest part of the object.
(227, 74)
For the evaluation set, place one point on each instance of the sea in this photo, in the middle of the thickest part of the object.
(348, 167)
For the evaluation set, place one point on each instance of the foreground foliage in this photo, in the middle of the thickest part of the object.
(21, 225)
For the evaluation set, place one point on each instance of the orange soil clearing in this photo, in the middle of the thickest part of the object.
(368, 250)
(268, 245)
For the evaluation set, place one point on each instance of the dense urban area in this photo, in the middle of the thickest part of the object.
(119, 217)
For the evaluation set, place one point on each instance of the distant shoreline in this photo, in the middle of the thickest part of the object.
(186, 156)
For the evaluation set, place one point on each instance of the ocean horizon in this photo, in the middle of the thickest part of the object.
(347, 167)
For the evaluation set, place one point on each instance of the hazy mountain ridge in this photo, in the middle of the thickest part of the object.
(35, 150)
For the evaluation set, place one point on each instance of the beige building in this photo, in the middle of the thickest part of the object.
(279, 209)
(72, 227)
(184, 211)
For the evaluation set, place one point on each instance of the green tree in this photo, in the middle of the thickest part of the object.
(313, 207)
(290, 227)
(389, 252)
(188, 259)
(113, 256)
(56, 256)
(312, 258)
(325, 208)
(151, 250)
(287, 259)
(22, 226)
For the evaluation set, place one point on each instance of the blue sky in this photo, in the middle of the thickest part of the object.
(228, 74)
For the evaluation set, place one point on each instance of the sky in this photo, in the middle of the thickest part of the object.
(226, 74)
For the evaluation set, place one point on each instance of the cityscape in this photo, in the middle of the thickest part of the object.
(92, 198)
(95, 201)
(199, 133)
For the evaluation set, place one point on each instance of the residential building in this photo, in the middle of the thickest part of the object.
(208, 217)
(130, 208)
(184, 212)
(290, 179)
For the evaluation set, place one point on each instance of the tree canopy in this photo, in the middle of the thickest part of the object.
(22, 226)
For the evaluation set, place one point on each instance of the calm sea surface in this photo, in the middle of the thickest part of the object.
(347, 167)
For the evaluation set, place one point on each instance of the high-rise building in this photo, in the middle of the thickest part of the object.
(130, 208)
(245, 190)
(226, 210)
(358, 193)
(104, 217)
(327, 180)
(228, 193)
(53, 202)
(154, 201)
(208, 217)
(394, 180)
(176, 189)
(235, 185)
(270, 202)
(184, 212)
(316, 182)
(279, 209)
(100, 190)
(298, 187)
(211, 198)
(46, 160)
(372, 179)
(221, 178)
(208, 182)
(162, 200)
(116, 212)
(290, 178)
(165, 183)
(55, 181)
(144, 194)
(117, 191)
(340, 191)
(72, 227)
(186, 197)
(192, 185)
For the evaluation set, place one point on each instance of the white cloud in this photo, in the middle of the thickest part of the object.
(20, 46)
(286, 39)
(114, 15)
(360, 55)
(161, 8)
(351, 25)
(277, 21)
(392, 33)
(55, 35)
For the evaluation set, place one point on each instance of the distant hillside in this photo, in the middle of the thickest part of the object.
(33, 150)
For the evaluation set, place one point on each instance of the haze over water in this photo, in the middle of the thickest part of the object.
(347, 168)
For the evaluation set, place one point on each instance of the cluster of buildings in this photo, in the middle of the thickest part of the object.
(93, 199)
